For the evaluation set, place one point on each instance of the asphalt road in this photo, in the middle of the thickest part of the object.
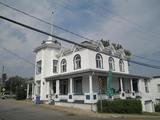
(13, 110)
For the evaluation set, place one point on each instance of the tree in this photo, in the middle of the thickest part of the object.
(116, 46)
(14, 82)
(105, 43)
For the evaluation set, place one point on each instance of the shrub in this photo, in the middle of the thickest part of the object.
(157, 107)
(20, 93)
(120, 106)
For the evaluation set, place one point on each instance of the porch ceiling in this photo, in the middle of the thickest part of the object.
(94, 72)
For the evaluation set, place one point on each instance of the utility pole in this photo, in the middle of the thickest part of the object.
(4, 76)
(2, 82)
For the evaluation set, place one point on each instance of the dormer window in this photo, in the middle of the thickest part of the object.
(99, 61)
(63, 65)
(121, 65)
(77, 62)
(111, 64)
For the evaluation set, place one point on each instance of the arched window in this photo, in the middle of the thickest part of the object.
(121, 65)
(99, 61)
(63, 65)
(77, 62)
(111, 63)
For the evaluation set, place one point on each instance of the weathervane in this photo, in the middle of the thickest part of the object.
(51, 23)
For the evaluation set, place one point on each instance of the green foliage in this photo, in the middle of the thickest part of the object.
(127, 52)
(117, 46)
(120, 106)
(105, 43)
(157, 107)
(20, 93)
(15, 82)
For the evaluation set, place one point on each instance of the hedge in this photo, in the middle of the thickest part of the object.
(157, 107)
(120, 106)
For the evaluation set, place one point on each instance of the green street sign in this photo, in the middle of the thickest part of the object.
(3, 89)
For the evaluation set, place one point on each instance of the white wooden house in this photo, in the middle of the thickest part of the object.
(72, 76)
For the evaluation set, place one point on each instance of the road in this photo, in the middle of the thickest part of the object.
(13, 110)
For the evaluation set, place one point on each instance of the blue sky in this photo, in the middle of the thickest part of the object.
(132, 23)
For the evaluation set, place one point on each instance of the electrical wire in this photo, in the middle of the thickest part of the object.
(75, 43)
(16, 55)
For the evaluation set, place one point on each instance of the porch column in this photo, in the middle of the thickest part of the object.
(27, 90)
(32, 89)
(57, 91)
(51, 87)
(121, 84)
(90, 84)
(131, 84)
(57, 87)
(71, 85)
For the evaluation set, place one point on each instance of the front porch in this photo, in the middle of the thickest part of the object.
(91, 86)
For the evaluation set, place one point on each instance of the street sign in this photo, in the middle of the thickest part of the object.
(3, 89)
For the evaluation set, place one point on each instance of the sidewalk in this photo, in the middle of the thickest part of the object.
(80, 112)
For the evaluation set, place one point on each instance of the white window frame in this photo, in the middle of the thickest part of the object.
(63, 65)
(39, 67)
(121, 65)
(55, 66)
(158, 87)
(77, 61)
(99, 61)
(146, 85)
(111, 63)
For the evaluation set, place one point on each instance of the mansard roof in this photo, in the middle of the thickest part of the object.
(99, 47)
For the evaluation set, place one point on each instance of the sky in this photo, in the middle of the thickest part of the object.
(132, 23)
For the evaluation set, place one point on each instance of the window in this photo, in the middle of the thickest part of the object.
(135, 85)
(78, 85)
(38, 67)
(77, 62)
(99, 61)
(38, 87)
(158, 88)
(111, 63)
(63, 65)
(146, 86)
(55, 66)
(121, 65)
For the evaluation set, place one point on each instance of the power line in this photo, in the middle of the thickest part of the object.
(39, 19)
(16, 55)
(66, 30)
(71, 42)
(140, 28)
(153, 60)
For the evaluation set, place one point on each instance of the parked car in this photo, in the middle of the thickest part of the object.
(7, 95)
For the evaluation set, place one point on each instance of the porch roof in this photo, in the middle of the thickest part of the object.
(94, 72)
(30, 81)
